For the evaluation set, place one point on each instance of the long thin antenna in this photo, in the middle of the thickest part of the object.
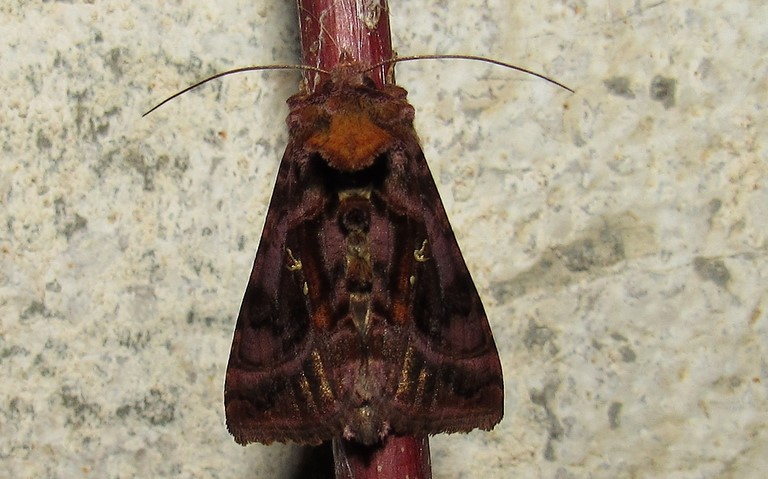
(468, 57)
(232, 72)
(386, 62)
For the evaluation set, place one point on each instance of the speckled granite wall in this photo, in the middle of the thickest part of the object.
(617, 235)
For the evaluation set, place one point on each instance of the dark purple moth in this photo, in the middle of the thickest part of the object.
(360, 319)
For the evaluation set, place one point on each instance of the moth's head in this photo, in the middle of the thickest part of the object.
(348, 120)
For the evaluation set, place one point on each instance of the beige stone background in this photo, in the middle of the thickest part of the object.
(617, 235)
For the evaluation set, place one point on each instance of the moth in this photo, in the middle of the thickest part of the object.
(360, 318)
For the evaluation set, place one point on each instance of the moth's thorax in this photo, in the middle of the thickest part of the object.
(349, 121)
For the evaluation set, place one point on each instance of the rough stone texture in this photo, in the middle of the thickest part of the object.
(618, 235)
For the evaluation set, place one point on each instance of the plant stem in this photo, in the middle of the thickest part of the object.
(357, 29)
(397, 457)
(333, 31)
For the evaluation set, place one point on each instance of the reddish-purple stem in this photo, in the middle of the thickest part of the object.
(358, 30)
(399, 457)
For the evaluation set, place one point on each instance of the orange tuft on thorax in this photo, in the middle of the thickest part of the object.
(351, 141)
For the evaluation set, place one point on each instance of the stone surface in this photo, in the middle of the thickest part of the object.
(618, 235)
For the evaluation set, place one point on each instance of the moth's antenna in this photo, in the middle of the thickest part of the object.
(232, 72)
(467, 57)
